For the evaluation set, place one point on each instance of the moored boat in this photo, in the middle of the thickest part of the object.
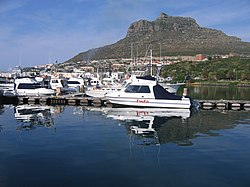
(146, 92)
(28, 86)
(6, 83)
(100, 93)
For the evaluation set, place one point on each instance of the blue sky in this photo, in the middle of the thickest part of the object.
(40, 32)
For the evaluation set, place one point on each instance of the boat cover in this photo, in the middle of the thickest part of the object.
(161, 93)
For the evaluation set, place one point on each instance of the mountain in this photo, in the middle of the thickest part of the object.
(173, 35)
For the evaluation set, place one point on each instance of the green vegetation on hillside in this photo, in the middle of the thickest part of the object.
(229, 69)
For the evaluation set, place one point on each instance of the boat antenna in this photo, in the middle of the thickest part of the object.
(20, 57)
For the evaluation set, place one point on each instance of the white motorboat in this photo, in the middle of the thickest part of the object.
(60, 85)
(28, 86)
(6, 83)
(146, 92)
(76, 83)
(100, 93)
(108, 87)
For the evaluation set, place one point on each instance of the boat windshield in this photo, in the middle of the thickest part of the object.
(74, 82)
(29, 86)
(137, 89)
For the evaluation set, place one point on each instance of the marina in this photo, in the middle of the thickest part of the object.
(124, 93)
(67, 145)
(89, 140)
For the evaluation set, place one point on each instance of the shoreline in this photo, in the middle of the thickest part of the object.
(229, 84)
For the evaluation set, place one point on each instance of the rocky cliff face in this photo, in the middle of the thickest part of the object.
(164, 23)
(176, 35)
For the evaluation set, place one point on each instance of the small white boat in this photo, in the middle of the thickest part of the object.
(60, 84)
(146, 92)
(28, 86)
(76, 83)
(108, 88)
(100, 93)
(6, 83)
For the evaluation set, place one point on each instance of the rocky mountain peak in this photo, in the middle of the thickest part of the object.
(177, 36)
(163, 23)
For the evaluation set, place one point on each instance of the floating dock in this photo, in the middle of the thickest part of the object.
(100, 102)
(63, 100)
(225, 104)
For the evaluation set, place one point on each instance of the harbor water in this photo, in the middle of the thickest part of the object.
(88, 146)
(218, 92)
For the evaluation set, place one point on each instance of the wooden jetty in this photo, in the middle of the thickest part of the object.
(88, 101)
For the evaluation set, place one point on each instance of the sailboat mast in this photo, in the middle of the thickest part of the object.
(131, 57)
(151, 62)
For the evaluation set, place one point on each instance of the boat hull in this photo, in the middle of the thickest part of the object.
(95, 93)
(35, 92)
(149, 102)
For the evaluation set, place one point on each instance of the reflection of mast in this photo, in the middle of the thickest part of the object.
(149, 135)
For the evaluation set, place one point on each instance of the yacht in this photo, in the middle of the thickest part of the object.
(100, 92)
(60, 85)
(107, 87)
(146, 92)
(6, 83)
(76, 82)
(28, 86)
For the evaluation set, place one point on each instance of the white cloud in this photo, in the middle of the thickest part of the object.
(64, 30)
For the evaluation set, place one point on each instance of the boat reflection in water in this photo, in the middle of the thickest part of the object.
(33, 116)
(143, 124)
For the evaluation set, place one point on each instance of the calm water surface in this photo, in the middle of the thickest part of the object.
(79, 146)
(218, 92)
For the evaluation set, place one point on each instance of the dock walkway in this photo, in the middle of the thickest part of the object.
(81, 100)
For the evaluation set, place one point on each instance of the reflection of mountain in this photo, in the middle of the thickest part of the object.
(33, 116)
(203, 124)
